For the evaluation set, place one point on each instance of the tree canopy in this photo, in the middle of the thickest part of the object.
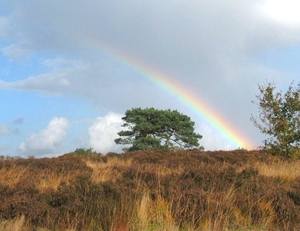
(151, 129)
(279, 118)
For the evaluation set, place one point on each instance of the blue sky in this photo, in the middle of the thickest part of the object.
(61, 87)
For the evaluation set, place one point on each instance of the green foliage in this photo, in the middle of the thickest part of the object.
(84, 151)
(152, 129)
(279, 118)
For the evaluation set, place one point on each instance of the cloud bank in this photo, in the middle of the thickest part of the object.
(104, 131)
(48, 141)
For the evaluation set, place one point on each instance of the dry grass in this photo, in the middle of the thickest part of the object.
(12, 175)
(51, 180)
(16, 224)
(153, 192)
(279, 168)
(221, 214)
(107, 171)
(163, 170)
(153, 215)
(222, 209)
(15, 174)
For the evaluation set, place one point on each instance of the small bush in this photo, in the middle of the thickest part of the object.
(84, 151)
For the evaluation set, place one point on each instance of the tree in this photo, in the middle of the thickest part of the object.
(279, 118)
(152, 129)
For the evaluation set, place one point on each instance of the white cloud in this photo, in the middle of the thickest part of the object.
(16, 51)
(283, 11)
(48, 141)
(60, 80)
(60, 63)
(4, 130)
(104, 131)
(48, 84)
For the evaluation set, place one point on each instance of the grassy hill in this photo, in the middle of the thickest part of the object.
(143, 191)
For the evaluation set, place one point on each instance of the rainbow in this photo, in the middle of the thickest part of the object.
(185, 96)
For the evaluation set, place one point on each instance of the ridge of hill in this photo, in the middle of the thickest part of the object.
(161, 190)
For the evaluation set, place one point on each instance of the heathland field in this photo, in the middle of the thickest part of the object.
(149, 191)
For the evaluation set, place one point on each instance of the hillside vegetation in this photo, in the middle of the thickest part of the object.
(143, 191)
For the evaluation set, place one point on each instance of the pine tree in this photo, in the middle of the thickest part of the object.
(152, 129)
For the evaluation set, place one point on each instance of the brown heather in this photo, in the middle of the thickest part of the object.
(148, 191)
